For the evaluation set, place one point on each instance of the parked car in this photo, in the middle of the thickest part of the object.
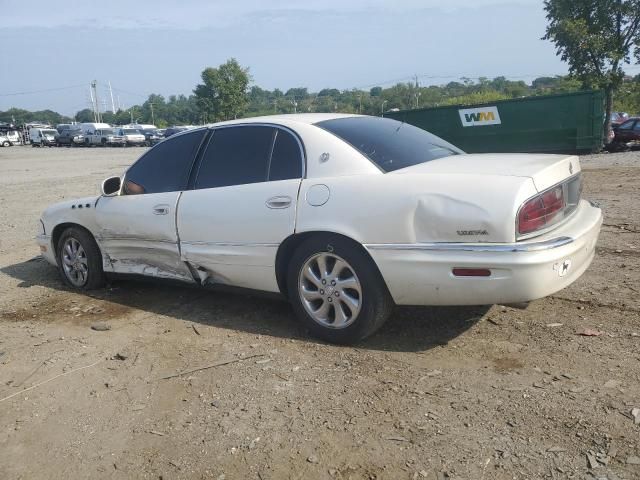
(626, 135)
(618, 118)
(13, 136)
(132, 137)
(105, 137)
(173, 130)
(152, 136)
(43, 137)
(344, 215)
(70, 138)
(4, 141)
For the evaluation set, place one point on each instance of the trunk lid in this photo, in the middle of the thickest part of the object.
(545, 170)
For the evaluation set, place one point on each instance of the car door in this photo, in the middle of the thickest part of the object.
(242, 205)
(137, 229)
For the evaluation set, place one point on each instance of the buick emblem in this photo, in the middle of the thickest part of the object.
(571, 168)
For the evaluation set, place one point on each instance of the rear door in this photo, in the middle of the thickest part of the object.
(242, 206)
(137, 229)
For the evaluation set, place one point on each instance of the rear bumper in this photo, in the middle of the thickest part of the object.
(421, 274)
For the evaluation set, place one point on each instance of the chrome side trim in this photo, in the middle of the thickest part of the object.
(474, 247)
(230, 244)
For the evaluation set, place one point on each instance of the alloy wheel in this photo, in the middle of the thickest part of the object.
(330, 290)
(74, 262)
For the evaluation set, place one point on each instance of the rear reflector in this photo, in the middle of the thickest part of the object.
(471, 272)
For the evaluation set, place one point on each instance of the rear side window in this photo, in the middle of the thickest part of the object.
(626, 125)
(286, 160)
(165, 168)
(236, 156)
(390, 144)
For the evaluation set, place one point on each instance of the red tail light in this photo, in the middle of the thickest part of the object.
(541, 211)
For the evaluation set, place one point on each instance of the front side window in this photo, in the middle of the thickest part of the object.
(626, 125)
(390, 144)
(236, 156)
(165, 168)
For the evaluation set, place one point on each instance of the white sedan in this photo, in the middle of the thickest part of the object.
(344, 215)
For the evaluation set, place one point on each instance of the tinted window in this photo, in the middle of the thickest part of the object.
(390, 144)
(636, 126)
(165, 168)
(626, 125)
(286, 160)
(236, 156)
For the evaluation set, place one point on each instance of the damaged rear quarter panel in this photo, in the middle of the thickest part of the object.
(418, 208)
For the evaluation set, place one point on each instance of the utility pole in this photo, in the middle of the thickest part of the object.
(153, 118)
(360, 103)
(295, 105)
(382, 108)
(95, 97)
(93, 104)
(113, 105)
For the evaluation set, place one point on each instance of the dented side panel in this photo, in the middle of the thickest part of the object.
(137, 235)
(418, 208)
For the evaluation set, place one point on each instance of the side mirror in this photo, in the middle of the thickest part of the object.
(111, 186)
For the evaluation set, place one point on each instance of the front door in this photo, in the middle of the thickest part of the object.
(137, 229)
(138, 233)
(243, 205)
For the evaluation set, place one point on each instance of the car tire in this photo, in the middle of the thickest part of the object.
(346, 300)
(79, 260)
(6, 144)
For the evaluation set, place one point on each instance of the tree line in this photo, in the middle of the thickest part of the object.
(221, 96)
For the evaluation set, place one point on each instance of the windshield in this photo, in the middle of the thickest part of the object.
(107, 131)
(129, 131)
(49, 132)
(390, 144)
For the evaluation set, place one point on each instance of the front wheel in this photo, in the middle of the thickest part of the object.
(336, 290)
(6, 144)
(79, 260)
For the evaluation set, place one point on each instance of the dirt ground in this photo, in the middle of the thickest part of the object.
(465, 393)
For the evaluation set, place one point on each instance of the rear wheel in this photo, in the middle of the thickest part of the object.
(79, 260)
(336, 290)
(6, 144)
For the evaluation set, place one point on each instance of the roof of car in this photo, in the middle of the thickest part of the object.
(308, 118)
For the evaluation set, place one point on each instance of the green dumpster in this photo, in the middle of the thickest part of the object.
(565, 123)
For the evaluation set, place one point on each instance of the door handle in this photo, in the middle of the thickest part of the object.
(161, 209)
(279, 202)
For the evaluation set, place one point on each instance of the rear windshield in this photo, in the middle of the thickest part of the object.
(390, 144)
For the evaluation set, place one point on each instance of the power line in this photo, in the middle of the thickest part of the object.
(40, 91)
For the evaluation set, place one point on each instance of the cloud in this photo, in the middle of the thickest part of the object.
(197, 14)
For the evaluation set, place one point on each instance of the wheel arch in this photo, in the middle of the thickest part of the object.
(58, 230)
(289, 245)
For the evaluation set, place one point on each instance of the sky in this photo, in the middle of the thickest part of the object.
(162, 46)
